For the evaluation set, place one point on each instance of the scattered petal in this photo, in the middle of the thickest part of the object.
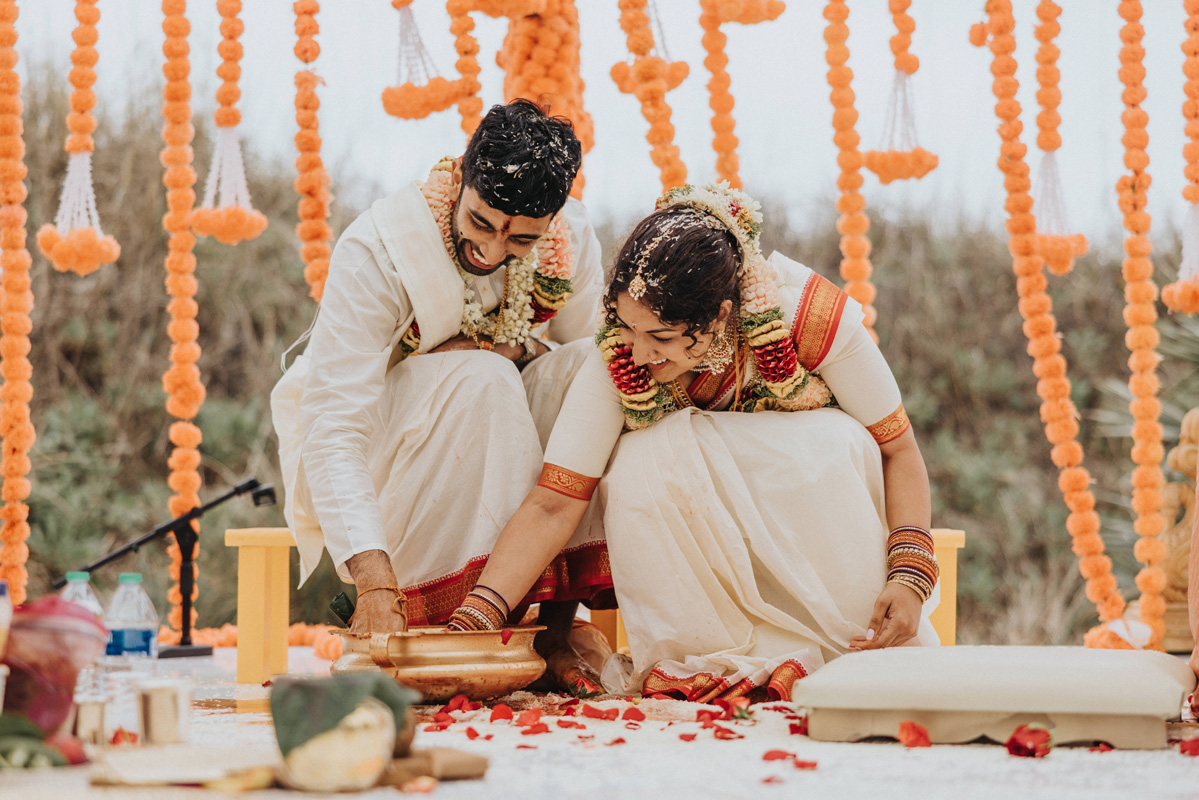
(268, 683)
(725, 733)
(526, 747)
(440, 726)
(443, 717)
(779, 708)
(635, 714)
(583, 738)
(617, 740)
(798, 729)
(804, 764)
(505, 635)
(660, 696)
(735, 708)
(777, 755)
(574, 701)
(913, 734)
(501, 711)
(1031, 741)
(1104, 747)
(472, 734)
(707, 717)
(687, 737)
(633, 726)
(772, 779)
(570, 723)
(459, 702)
(1188, 748)
(530, 717)
(122, 736)
(540, 727)
(600, 713)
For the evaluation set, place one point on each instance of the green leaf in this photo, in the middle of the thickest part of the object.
(304, 708)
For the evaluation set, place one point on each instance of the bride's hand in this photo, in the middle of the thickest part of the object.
(895, 620)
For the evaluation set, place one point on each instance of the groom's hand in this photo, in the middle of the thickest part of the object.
(375, 612)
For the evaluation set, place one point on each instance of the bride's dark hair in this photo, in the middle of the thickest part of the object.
(688, 267)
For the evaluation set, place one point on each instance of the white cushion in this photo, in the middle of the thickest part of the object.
(1122, 697)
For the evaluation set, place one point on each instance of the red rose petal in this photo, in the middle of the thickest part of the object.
(633, 726)
(617, 740)
(530, 717)
(772, 779)
(780, 709)
(574, 701)
(1189, 748)
(501, 711)
(706, 716)
(540, 727)
(472, 734)
(777, 755)
(440, 726)
(725, 733)
(1104, 747)
(472, 706)
(526, 747)
(634, 714)
(687, 737)
(268, 683)
(122, 736)
(600, 713)
(458, 703)
(442, 716)
(804, 764)
(611, 713)
(660, 696)
(505, 635)
(570, 723)
(583, 738)
(1029, 741)
(912, 734)
(798, 730)
(571, 712)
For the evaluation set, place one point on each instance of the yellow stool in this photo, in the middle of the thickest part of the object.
(263, 604)
(944, 618)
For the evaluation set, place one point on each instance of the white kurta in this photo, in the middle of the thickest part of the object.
(742, 546)
(424, 458)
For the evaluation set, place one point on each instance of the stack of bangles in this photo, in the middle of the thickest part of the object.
(482, 609)
(910, 560)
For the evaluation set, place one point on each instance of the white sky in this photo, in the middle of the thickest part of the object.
(778, 72)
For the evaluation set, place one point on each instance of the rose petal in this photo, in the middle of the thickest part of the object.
(660, 696)
(526, 747)
(505, 635)
(725, 733)
(804, 764)
(1188, 748)
(633, 726)
(913, 734)
(570, 723)
(442, 716)
(798, 729)
(687, 737)
(772, 779)
(1030, 741)
(472, 734)
(583, 738)
(1104, 747)
(777, 755)
(268, 683)
(634, 714)
(530, 717)
(540, 727)
(458, 702)
(501, 711)
(574, 701)
(780, 708)
(440, 726)
(617, 740)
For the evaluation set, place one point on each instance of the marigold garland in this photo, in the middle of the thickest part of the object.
(648, 78)
(1058, 248)
(1140, 314)
(16, 304)
(234, 219)
(540, 59)
(75, 241)
(312, 181)
(1183, 295)
(181, 381)
(720, 99)
(903, 158)
(853, 223)
(1040, 326)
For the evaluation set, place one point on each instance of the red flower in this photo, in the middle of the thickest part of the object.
(912, 734)
(687, 737)
(777, 755)
(505, 635)
(122, 736)
(501, 711)
(734, 708)
(635, 714)
(540, 727)
(1030, 741)
(530, 717)
(1188, 748)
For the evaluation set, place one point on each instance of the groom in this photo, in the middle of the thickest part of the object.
(405, 434)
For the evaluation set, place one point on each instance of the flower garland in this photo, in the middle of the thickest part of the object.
(853, 224)
(1036, 307)
(75, 242)
(312, 182)
(1057, 248)
(779, 381)
(16, 303)
(649, 78)
(536, 286)
(902, 158)
(181, 382)
(540, 59)
(713, 14)
(1183, 295)
(235, 220)
(1140, 314)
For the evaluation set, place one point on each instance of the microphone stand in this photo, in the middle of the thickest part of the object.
(186, 537)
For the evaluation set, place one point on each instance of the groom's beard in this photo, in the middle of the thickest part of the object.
(460, 245)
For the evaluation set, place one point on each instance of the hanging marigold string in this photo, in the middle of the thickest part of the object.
(312, 182)
(1183, 295)
(901, 156)
(1140, 314)
(181, 381)
(715, 13)
(226, 213)
(853, 224)
(1040, 326)
(16, 304)
(1058, 248)
(540, 59)
(75, 241)
(648, 78)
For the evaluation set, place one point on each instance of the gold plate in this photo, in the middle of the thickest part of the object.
(441, 663)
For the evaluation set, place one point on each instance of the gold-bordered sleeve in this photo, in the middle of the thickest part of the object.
(817, 319)
(891, 426)
(563, 481)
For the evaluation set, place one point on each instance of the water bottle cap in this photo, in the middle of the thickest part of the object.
(78, 576)
(131, 577)
(3, 588)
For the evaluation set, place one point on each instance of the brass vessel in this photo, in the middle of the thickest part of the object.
(441, 663)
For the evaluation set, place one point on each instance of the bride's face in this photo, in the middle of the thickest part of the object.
(667, 350)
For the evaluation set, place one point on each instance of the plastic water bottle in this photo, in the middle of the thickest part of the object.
(78, 590)
(5, 615)
(132, 650)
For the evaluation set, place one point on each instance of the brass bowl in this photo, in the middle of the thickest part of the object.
(441, 663)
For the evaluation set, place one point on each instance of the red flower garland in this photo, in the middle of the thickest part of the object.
(16, 303)
(312, 182)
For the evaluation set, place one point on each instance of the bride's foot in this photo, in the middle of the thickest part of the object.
(565, 670)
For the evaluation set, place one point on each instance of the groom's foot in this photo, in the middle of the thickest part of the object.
(565, 670)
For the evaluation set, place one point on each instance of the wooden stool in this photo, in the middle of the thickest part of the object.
(263, 603)
(944, 618)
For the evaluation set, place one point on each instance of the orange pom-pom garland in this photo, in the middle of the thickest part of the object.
(226, 213)
(181, 381)
(75, 242)
(312, 181)
(1183, 295)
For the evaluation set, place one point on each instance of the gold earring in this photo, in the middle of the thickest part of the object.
(719, 354)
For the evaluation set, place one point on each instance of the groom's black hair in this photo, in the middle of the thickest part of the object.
(521, 161)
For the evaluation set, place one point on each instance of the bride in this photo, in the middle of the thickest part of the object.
(747, 549)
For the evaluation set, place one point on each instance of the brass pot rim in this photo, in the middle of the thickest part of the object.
(437, 630)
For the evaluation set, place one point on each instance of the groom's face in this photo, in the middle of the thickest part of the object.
(486, 238)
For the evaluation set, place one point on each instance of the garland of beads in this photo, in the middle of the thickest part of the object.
(1036, 307)
(537, 285)
(235, 219)
(1057, 248)
(853, 223)
(780, 382)
(1140, 314)
(713, 14)
(181, 382)
(1182, 296)
(75, 242)
(312, 182)
(904, 158)
(16, 303)
(648, 79)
